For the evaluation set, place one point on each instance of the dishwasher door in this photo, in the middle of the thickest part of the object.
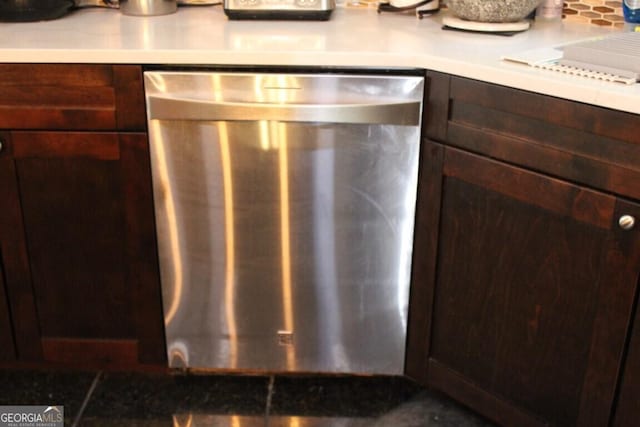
(285, 212)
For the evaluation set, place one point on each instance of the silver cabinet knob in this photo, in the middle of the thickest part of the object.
(1, 146)
(626, 222)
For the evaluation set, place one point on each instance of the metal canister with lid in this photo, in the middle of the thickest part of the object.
(148, 7)
(550, 9)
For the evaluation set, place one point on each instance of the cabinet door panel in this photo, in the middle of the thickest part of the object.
(75, 234)
(626, 414)
(510, 312)
(143, 275)
(71, 145)
(92, 257)
(618, 284)
(425, 250)
(14, 260)
(7, 349)
(534, 290)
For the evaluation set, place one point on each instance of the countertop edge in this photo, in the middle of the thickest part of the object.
(415, 48)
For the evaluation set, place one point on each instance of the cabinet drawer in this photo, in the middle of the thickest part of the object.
(590, 145)
(75, 97)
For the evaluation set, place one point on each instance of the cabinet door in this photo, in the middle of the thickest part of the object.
(88, 219)
(531, 296)
(7, 349)
(17, 306)
(629, 399)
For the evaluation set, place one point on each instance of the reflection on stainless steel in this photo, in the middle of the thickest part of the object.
(178, 354)
(198, 2)
(147, 7)
(202, 420)
(391, 113)
(280, 135)
(285, 241)
(171, 228)
(229, 238)
(98, 3)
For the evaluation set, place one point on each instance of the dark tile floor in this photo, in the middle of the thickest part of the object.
(180, 400)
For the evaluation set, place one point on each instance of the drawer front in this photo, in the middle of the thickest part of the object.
(71, 97)
(582, 143)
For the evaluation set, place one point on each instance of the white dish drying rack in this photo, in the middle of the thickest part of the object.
(612, 58)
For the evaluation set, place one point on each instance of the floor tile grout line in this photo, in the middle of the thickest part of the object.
(85, 402)
(267, 411)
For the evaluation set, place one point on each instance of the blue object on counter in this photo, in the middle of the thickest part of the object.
(631, 10)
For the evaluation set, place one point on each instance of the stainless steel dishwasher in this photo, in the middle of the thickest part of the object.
(285, 212)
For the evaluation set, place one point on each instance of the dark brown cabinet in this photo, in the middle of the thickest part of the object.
(15, 264)
(7, 348)
(626, 414)
(533, 293)
(78, 242)
(524, 282)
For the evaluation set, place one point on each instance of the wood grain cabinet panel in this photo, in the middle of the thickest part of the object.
(7, 347)
(589, 145)
(75, 97)
(86, 207)
(524, 284)
(531, 295)
(15, 261)
(628, 408)
(8, 191)
(77, 236)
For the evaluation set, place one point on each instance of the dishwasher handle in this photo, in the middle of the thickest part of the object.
(387, 112)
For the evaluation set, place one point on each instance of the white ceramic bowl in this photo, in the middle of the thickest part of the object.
(492, 10)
